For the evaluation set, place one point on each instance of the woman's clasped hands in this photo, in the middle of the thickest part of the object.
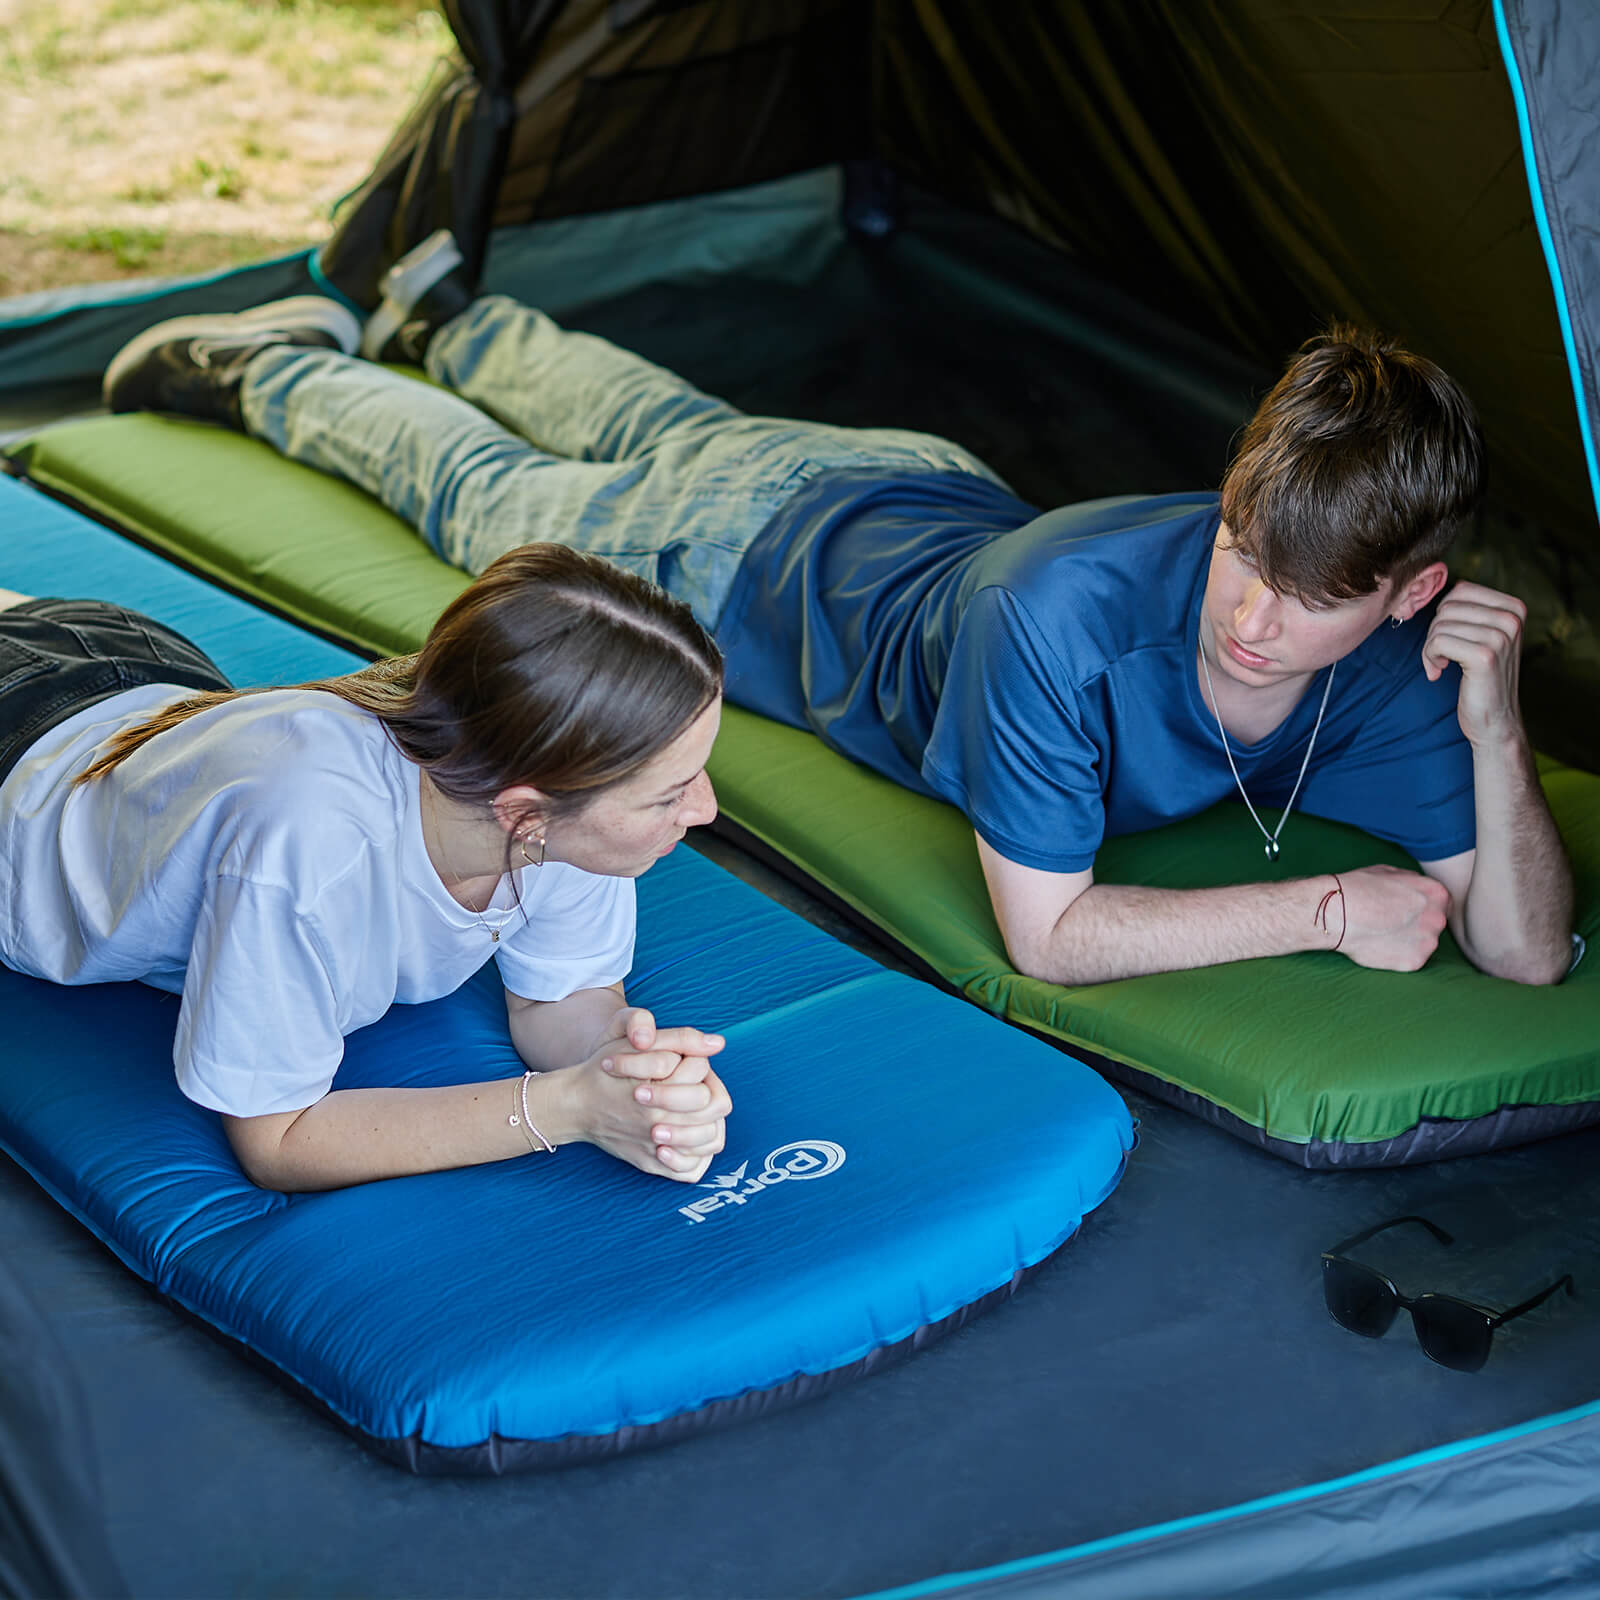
(648, 1096)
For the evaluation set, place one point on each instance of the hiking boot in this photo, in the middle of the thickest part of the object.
(193, 365)
(421, 292)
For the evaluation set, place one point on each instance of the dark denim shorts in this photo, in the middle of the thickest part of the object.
(58, 656)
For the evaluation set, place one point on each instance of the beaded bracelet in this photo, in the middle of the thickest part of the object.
(525, 1122)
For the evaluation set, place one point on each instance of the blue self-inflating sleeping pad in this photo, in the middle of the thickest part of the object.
(896, 1159)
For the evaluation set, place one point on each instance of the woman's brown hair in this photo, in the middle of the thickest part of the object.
(554, 669)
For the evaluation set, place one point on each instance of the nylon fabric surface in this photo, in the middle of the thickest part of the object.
(49, 340)
(1552, 51)
(383, 603)
(636, 101)
(642, 1308)
(1258, 168)
(1393, 1534)
(1254, 1038)
(52, 1516)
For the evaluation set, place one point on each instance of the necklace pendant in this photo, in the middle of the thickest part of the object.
(1272, 849)
(494, 935)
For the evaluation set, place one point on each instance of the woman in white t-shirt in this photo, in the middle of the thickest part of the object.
(294, 861)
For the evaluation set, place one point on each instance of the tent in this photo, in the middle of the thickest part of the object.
(1078, 236)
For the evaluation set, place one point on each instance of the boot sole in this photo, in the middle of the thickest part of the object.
(301, 311)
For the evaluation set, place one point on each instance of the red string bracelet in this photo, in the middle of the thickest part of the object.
(1320, 915)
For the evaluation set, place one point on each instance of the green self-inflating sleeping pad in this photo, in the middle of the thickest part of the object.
(1319, 1060)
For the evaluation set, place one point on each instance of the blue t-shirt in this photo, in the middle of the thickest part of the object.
(1039, 671)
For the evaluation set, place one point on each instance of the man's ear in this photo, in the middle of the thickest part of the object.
(1411, 597)
(519, 808)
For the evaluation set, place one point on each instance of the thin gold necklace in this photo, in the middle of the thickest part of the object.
(1271, 838)
(505, 916)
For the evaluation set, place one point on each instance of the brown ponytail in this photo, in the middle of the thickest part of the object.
(554, 669)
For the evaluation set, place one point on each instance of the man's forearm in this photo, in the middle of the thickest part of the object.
(1121, 931)
(1517, 918)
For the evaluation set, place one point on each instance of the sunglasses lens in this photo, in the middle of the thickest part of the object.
(1358, 1299)
(1451, 1333)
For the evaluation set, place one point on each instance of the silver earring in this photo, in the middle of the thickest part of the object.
(1394, 622)
(522, 843)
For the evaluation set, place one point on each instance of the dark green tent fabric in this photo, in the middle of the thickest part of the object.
(1265, 166)
(559, 109)
(1552, 66)
(1255, 168)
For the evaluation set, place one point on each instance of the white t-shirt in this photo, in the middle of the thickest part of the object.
(264, 859)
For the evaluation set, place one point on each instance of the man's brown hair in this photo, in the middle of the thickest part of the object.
(1361, 465)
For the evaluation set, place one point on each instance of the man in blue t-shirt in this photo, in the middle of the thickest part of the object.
(1063, 677)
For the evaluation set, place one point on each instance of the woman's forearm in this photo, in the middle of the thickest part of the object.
(555, 1033)
(361, 1135)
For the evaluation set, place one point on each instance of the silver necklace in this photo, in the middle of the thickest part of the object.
(505, 916)
(1271, 838)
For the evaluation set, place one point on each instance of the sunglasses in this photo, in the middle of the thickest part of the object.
(1455, 1333)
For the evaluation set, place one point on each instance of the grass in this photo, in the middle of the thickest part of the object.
(131, 249)
(153, 136)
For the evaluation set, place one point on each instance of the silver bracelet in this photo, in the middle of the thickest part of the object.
(525, 1122)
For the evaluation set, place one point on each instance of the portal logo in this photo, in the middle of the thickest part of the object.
(805, 1158)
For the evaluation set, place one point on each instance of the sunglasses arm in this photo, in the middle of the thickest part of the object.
(1394, 1222)
(1538, 1300)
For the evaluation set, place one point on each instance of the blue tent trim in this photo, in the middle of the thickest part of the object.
(1289, 1497)
(326, 285)
(53, 303)
(1567, 286)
